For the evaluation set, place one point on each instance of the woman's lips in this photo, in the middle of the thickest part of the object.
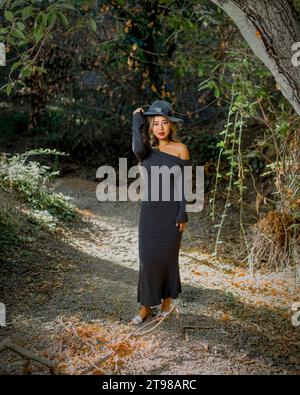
(161, 134)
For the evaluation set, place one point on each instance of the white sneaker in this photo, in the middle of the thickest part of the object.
(137, 320)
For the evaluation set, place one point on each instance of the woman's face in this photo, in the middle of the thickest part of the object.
(161, 127)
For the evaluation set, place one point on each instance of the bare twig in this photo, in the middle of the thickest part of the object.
(197, 327)
(157, 319)
(94, 364)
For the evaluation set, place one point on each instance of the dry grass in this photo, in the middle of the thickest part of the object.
(274, 243)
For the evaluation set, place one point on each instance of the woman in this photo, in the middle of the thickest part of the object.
(161, 222)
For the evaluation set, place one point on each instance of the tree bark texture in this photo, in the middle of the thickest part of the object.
(270, 28)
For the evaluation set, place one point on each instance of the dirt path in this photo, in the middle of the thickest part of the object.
(231, 322)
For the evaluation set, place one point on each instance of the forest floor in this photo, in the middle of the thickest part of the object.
(71, 298)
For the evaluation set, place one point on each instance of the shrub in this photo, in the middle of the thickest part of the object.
(27, 179)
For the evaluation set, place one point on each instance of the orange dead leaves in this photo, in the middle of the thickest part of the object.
(104, 8)
(225, 317)
(128, 26)
(165, 93)
(197, 273)
(81, 346)
(122, 348)
(153, 88)
(91, 331)
(202, 99)
(84, 212)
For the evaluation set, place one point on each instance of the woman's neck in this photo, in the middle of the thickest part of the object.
(163, 143)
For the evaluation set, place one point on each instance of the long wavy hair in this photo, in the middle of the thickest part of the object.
(152, 140)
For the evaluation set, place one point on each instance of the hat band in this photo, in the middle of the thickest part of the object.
(158, 109)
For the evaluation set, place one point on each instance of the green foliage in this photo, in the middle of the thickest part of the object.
(229, 298)
(28, 25)
(101, 80)
(28, 178)
(204, 146)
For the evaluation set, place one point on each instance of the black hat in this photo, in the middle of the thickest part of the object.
(162, 107)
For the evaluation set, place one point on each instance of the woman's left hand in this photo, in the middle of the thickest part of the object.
(182, 226)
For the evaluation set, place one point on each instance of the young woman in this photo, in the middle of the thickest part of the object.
(161, 222)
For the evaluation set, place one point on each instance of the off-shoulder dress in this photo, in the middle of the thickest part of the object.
(159, 237)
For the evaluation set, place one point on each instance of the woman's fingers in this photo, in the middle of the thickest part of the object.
(138, 110)
(182, 226)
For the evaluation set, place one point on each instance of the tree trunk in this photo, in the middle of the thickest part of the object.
(271, 28)
(38, 100)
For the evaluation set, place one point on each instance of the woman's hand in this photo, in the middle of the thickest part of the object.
(138, 110)
(182, 226)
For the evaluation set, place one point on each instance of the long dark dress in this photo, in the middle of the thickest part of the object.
(159, 237)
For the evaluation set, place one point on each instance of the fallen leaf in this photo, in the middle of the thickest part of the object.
(225, 317)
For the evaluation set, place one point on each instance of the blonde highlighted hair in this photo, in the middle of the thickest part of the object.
(153, 140)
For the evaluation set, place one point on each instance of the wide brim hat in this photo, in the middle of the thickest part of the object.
(162, 107)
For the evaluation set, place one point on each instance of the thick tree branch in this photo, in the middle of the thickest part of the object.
(270, 28)
(7, 344)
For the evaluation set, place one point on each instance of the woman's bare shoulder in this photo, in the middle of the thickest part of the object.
(182, 150)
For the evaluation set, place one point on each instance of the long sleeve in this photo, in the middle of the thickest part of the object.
(182, 215)
(138, 146)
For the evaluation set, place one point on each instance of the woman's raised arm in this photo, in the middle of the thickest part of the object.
(138, 146)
